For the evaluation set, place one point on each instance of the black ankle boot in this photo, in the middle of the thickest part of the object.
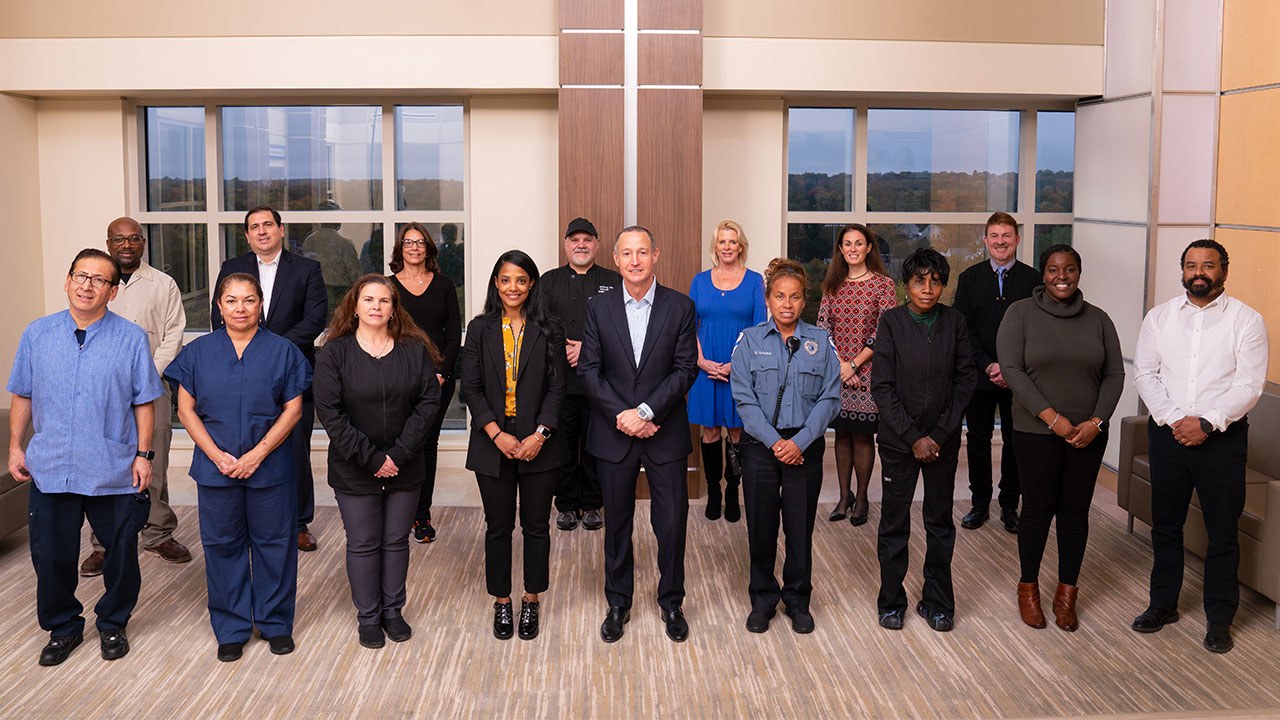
(712, 470)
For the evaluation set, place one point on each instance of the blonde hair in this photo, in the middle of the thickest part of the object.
(742, 241)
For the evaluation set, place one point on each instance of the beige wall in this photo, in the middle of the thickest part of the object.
(743, 173)
(23, 293)
(164, 18)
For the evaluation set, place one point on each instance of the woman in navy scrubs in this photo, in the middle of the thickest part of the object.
(239, 394)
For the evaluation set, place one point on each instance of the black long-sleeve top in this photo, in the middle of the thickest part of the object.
(374, 408)
(436, 312)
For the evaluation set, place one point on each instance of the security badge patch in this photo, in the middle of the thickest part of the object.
(811, 347)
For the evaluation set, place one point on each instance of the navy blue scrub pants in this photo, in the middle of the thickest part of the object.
(251, 559)
(55, 520)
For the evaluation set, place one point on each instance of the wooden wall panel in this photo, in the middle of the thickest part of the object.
(669, 180)
(670, 59)
(591, 149)
(1253, 255)
(591, 59)
(591, 14)
(1250, 54)
(1248, 142)
(670, 14)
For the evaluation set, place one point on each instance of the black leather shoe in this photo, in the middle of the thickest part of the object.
(371, 636)
(974, 518)
(758, 620)
(567, 520)
(528, 619)
(59, 649)
(939, 621)
(1151, 620)
(677, 626)
(801, 621)
(1218, 638)
(115, 644)
(397, 629)
(611, 629)
(592, 520)
(281, 644)
(837, 514)
(891, 620)
(504, 624)
(1010, 519)
(230, 652)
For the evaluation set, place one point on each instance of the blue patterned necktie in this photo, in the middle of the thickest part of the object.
(1000, 280)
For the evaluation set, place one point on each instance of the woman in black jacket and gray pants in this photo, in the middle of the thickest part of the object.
(377, 395)
(513, 379)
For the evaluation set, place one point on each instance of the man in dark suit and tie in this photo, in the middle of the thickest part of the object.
(638, 359)
(295, 307)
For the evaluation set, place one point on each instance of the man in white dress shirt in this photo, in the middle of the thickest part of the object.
(1200, 366)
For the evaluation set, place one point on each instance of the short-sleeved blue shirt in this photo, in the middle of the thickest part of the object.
(82, 400)
(239, 398)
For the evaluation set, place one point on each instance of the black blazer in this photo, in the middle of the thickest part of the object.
(539, 390)
(614, 382)
(979, 300)
(299, 305)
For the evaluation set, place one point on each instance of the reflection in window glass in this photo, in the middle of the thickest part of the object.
(175, 158)
(811, 245)
(961, 244)
(182, 253)
(942, 160)
(1055, 160)
(820, 159)
(302, 158)
(429, 157)
(1048, 235)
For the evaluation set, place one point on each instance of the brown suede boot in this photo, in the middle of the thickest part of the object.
(1064, 607)
(1029, 604)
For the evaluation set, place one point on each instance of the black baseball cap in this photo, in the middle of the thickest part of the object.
(581, 225)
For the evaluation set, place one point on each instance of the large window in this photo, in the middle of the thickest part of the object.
(343, 177)
(925, 177)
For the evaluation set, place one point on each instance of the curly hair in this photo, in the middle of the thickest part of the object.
(783, 268)
(400, 325)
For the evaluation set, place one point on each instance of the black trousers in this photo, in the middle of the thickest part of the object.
(901, 471)
(980, 418)
(55, 522)
(771, 489)
(668, 514)
(300, 440)
(1215, 469)
(498, 495)
(377, 550)
(431, 454)
(1057, 481)
(579, 484)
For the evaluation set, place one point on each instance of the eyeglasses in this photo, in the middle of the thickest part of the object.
(130, 240)
(413, 242)
(97, 281)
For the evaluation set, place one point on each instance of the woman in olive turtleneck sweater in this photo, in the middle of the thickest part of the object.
(1061, 357)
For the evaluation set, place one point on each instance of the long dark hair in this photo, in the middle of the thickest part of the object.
(838, 271)
(428, 261)
(400, 325)
(535, 305)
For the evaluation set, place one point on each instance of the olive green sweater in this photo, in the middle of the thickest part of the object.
(1060, 355)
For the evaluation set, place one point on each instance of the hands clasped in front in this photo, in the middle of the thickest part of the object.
(1077, 436)
(516, 449)
(629, 422)
(239, 467)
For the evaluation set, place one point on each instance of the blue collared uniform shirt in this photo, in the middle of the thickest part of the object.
(812, 395)
(82, 399)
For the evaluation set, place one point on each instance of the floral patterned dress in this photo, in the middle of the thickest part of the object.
(851, 317)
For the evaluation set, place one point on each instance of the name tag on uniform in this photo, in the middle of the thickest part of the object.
(763, 352)
(603, 289)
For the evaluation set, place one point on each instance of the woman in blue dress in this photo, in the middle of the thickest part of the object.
(239, 394)
(728, 298)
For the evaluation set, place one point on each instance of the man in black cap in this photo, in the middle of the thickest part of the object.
(567, 290)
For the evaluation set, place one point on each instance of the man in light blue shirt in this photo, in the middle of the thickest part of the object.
(85, 380)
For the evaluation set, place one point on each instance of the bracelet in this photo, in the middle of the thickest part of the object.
(1056, 418)
(1098, 425)
(494, 437)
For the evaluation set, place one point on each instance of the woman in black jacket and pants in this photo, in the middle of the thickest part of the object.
(513, 379)
(377, 395)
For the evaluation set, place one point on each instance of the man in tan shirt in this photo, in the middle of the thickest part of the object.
(151, 299)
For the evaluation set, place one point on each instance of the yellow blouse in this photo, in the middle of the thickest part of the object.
(511, 352)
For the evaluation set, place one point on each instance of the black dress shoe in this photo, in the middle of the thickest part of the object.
(837, 514)
(801, 621)
(371, 635)
(1010, 519)
(857, 520)
(592, 520)
(974, 518)
(758, 620)
(59, 649)
(230, 652)
(1151, 620)
(115, 644)
(567, 520)
(937, 620)
(677, 626)
(1218, 638)
(281, 644)
(504, 624)
(397, 629)
(891, 619)
(528, 619)
(611, 629)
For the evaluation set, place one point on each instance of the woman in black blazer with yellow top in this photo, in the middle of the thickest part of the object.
(513, 379)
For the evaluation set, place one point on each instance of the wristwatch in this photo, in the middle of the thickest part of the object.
(1206, 426)
(645, 413)
(544, 431)
(148, 454)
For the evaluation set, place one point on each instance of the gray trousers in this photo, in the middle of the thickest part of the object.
(377, 550)
(162, 521)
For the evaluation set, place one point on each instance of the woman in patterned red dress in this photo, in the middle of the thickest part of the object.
(856, 290)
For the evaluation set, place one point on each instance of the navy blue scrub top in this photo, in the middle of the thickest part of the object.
(239, 398)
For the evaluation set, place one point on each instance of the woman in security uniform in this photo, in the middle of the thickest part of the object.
(785, 378)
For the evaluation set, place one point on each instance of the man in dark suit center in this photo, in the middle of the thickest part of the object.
(638, 359)
(295, 307)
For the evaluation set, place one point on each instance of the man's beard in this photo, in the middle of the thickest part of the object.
(1204, 290)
